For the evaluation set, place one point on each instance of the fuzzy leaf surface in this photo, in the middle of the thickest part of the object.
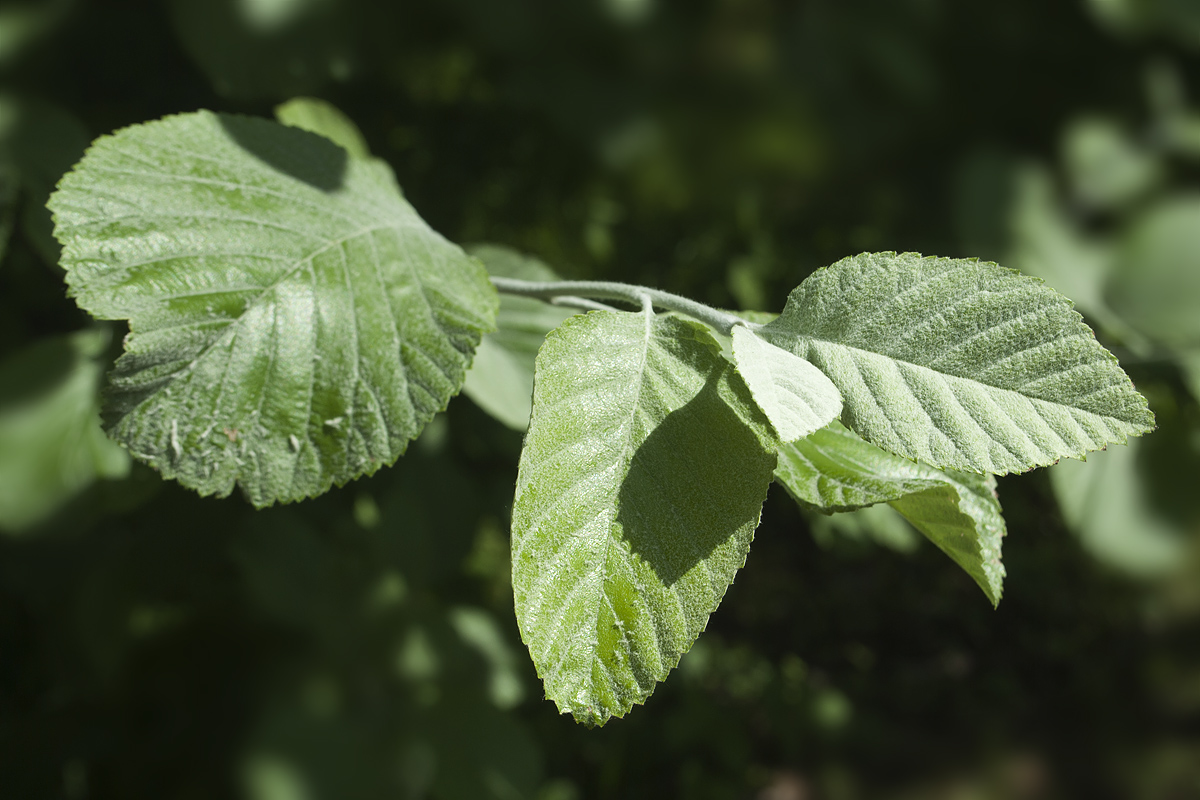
(836, 470)
(639, 489)
(796, 396)
(293, 322)
(960, 364)
(500, 380)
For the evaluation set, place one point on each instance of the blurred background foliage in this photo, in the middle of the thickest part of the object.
(158, 645)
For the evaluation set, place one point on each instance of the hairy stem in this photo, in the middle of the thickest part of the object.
(569, 292)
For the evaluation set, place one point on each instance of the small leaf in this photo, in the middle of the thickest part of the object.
(836, 470)
(51, 444)
(293, 322)
(500, 380)
(959, 364)
(324, 119)
(640, 486)
(796, 396)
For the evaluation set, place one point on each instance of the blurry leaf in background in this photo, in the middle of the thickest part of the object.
(1177, 19)
(880, 524)
(1156, 283)
(269, 49)
(23, 22)
(835, 470)
(1106, 168)
(1105, 503)
(324, 119)
(500, 379)
(45, 142)
(51, 444)
(257, 264)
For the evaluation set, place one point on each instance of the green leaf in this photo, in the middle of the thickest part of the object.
(835, 470)
(959, 364)
(1156, 283)
(1107, 504)
(796, 396)
(640, 486)
(963, 519)
(51, 444)
(293, 322)
(325, 119)
(500, 380)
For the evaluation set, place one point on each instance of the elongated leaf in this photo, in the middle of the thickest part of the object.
(51, 444)
(836, 470)
(500, 380)
(640, 486)
(960, 364)
(796, 396)
(325, 119)
(294, 323)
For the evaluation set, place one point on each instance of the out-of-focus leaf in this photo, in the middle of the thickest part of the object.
(252, 49)
(880, 525)
(835, 470)
(23, 23)
(1047, 245)
(1107, 169)
(1156, 284)
(48, 141)
(960, 364)
(639, 489)
(796, 396)
(325, 119)
(500, 380)
(51, 444)
(294, 323)
(1105, 504)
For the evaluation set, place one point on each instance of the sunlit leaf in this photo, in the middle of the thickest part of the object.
(796, 396)
(294, 323)
(640, 486)
(325, 119)
(51, 444)
(959, 364)
(500, 380)
(836, 470)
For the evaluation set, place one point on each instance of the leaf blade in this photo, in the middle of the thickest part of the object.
(796, 396)
(961, 364)
(293, 322)
(836, 470)
(636, 422)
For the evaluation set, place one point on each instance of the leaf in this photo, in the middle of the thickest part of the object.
(324, 119)
(293, 322)
(1156, 284)
(796, 396)
(500, 380)
(251, 49)
(639, 489)
(963, 519)
(960, 364)
(51, 444)
(1106, 503)
(835, 470)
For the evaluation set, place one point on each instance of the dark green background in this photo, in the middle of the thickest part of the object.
(158, 645)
